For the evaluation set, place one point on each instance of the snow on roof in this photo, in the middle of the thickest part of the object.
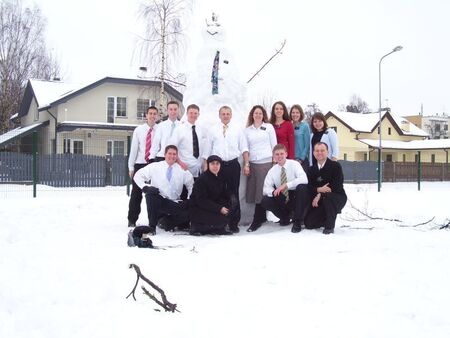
(47, 92)
(367, 122)
(90, 123)
(359, 122)
(8, 136)
(409, 145)
(14, 116)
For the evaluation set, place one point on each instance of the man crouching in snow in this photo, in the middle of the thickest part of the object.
(326, 186)
(163, 194)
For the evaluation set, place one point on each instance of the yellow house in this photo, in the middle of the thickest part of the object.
(401, 140)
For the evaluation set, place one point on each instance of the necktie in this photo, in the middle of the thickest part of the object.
(148, 144)
(172, 128)
(283, 181)
(195, 142)
(225, 127)
(169, 173)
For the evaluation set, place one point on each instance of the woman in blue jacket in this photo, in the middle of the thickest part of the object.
(302, 135)
(321, 133)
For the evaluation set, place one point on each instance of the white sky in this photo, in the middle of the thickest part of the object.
(332, 51)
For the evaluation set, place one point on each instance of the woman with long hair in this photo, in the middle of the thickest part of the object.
(301, 134)
(261, 139)
(284, 130)
(321, 133)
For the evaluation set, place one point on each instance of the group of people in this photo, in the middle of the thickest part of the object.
(190, 176)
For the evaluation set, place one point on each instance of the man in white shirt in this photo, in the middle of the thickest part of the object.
(139, 158)
(165, 131)
(228, 141)
(286, 190)
(188, 138)
(167, 179)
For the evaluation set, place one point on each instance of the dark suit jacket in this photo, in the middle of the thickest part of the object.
(330, 173)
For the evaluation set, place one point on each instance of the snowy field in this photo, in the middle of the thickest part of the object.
(64, 271)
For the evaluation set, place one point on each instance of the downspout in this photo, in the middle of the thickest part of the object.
(56, 133)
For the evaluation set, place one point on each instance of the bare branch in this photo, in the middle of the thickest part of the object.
(278, 51)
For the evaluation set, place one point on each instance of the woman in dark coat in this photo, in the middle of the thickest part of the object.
(210, 206)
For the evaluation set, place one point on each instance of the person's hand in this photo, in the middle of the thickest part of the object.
(224, 211)
(315, 201)
(324, 188)
(246, 170)
(279, 190)
(182, 164)
(131, 173)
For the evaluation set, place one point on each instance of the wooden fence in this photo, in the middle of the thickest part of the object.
(64, 170)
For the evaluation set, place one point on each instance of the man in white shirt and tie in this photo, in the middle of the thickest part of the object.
(286, 190)
(139, 158)
(188, 138)
(165, 131)
(167, 179)
(228, 141)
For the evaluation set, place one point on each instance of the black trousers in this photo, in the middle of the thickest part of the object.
(134, 206)
(330, 204)
(297, 204)
(158, 206)
(230, 171)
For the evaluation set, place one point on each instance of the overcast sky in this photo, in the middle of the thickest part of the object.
(332, 51)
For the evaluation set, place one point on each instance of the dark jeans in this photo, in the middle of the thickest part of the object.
(134, 206)
(230, 171)
(298, 204)
(158, 206)
(325, 214)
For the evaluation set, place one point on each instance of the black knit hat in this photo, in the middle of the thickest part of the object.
(214, 158)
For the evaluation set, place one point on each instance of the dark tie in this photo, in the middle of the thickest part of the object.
(195, 142)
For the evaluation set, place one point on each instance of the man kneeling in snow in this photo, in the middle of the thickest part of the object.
(163, 194)
(326, 186)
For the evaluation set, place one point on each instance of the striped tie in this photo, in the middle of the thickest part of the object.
(225, 127)
(148, 144)
(169, 173)
(284, 181)
(172, 128)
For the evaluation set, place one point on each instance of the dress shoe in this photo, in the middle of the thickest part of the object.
(284, 222)
(297, 227)
(234, 228)
(328, 231)
(254, 226)
(195, 233)
(152, 231)
(222, 232)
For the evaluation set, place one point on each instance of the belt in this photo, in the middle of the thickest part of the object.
(229, 162)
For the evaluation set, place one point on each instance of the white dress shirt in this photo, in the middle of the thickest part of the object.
(183, 140)
(260, 142)
(138, 142)
(227, 147)
(294, 173)
(156, 172)
(161, 138)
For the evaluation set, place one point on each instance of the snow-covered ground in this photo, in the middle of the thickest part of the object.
(64, 272)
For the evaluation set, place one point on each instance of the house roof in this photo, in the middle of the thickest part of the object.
(72, 125)
(408, 145)
(50, 93)
(11, 135)
(366, 123)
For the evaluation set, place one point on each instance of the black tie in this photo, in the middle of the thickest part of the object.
(195, 142)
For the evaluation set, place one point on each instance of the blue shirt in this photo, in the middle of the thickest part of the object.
(302, 141)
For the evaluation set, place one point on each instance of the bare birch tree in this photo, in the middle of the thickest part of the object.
(23, 54)
(163, 39)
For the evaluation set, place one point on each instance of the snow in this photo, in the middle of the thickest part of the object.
(47, 92)
(65, 271)
(415, 144)
(17, 131)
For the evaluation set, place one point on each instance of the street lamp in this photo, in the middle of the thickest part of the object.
(396, 49)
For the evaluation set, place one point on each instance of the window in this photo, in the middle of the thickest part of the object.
(389, 158)
(116, 107)
(115, 148)
(345, 157)
(389, 131)
(437, 128)
(433, 158)
(416, 158)
(445, 126)
(66, 146)
(36, 115)
(365, 156)
(78, 147)
(142, 105)
(404, 157)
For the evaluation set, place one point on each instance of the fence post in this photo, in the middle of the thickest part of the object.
(419, 170)
(35, 173)
(127, 176)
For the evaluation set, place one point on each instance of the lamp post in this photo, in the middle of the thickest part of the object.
(396, 49)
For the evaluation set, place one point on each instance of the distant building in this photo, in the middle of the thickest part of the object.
(435, 125)
(92, 119)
